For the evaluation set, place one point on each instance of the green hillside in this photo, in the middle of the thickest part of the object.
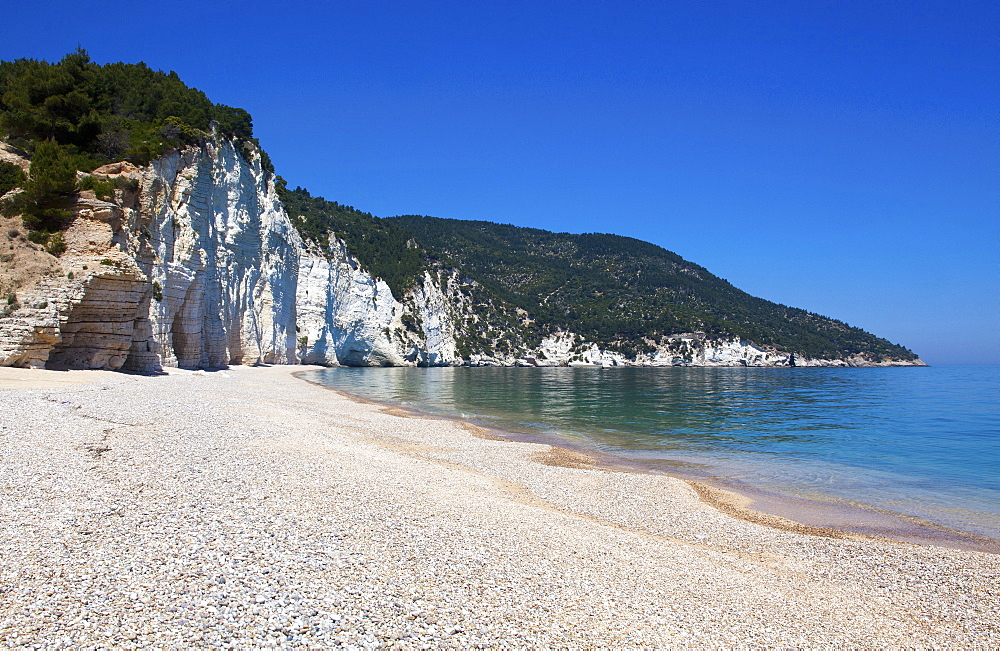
(384, 248)
(610, 288)
(78, 115)
(103, 113)
(617, 291)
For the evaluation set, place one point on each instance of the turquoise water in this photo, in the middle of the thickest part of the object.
(924, 442)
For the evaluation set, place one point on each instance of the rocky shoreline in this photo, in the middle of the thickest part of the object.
(248, 508)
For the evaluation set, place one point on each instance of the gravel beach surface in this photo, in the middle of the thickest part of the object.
(247, 507)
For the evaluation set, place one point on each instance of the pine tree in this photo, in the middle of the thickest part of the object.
(51, 179)
(11, 177)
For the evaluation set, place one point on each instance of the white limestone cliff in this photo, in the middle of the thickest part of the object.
(204, 260)
(344, 314)
(200, 266)
(439, 304)
(224, 257)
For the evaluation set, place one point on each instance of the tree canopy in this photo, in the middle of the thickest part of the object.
(102, 113)
(45, 194)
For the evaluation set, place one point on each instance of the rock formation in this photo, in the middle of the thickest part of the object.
(199, 266)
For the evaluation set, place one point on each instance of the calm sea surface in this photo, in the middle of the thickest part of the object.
(923, 442)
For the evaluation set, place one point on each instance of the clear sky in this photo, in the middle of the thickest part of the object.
(842, 157)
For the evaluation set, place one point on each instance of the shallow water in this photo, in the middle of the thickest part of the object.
(924, 442)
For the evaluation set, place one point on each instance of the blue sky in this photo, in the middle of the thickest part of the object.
(842, 157)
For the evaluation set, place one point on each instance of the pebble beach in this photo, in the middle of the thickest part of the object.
(247, 507)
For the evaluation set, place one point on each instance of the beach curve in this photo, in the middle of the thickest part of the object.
(248, 506)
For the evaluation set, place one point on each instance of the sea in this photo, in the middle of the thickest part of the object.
(907, 453)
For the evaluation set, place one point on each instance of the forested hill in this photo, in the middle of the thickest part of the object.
(78, 115)
(610, 288)
(616, 291)
(98, 114)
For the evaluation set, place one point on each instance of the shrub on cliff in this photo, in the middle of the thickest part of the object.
(44, 197)
(11, 177)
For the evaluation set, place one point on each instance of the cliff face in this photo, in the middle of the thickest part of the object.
(86, 309)
(223, 257)
(201, 267)
(345, 314)
(198, 267)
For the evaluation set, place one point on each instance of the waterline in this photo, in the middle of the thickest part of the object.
(921, 442)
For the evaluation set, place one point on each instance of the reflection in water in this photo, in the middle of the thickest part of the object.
(921, 441)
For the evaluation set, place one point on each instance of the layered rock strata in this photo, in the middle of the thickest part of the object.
(223, 260)
(89, 322)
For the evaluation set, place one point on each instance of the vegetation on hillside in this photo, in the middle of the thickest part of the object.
(382, 247)
(620, 292)
(609, 288)
(105, 113)
(43, 199)
(11, 177)
(78, 115)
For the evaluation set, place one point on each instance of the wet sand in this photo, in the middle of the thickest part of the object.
(833, 519)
